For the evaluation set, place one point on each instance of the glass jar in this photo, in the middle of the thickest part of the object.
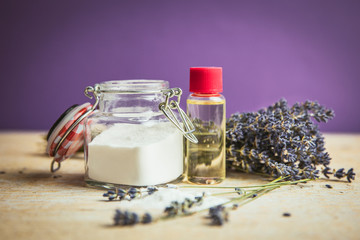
(129, 140)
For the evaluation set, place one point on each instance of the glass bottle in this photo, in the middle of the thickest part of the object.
(205, 161)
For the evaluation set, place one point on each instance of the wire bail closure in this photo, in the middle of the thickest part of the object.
(167, 106)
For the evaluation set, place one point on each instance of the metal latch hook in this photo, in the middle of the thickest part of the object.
(166, 107)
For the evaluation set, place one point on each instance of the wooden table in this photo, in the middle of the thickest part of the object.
(35, 204)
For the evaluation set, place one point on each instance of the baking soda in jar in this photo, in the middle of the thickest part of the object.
(134, 137)
(136, 154)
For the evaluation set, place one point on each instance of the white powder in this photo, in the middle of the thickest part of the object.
(136, 154)
(159, 200)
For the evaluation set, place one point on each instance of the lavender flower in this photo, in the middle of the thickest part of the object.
(131, 193)
(281, 141)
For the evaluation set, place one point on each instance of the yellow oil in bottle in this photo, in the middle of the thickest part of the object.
(205, 160)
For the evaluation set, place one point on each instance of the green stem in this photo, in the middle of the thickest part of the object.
(246, 196)
(273, 183)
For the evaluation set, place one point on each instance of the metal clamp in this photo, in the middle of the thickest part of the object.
(95, 92)
(167, 106)
(52, 168)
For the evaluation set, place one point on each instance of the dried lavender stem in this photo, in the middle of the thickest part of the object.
(253, 186)
(218, 213)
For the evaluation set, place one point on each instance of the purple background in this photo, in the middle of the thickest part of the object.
(52, 50)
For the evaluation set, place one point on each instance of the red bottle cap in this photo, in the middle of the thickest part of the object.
(206, 80)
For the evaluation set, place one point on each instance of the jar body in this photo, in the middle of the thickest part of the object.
(128, 141)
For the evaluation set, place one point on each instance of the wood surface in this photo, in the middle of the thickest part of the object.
(35, 204)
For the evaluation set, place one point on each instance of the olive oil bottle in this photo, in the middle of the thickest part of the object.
(205, 160)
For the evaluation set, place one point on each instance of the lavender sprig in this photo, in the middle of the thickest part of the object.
(218, 214)
(130, 218)
(340, 173)
(121, 194)
(182, 208)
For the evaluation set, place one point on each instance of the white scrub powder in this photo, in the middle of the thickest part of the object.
(136, 154)
(159, 200)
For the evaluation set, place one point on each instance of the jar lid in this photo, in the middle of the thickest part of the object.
(66, 136)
